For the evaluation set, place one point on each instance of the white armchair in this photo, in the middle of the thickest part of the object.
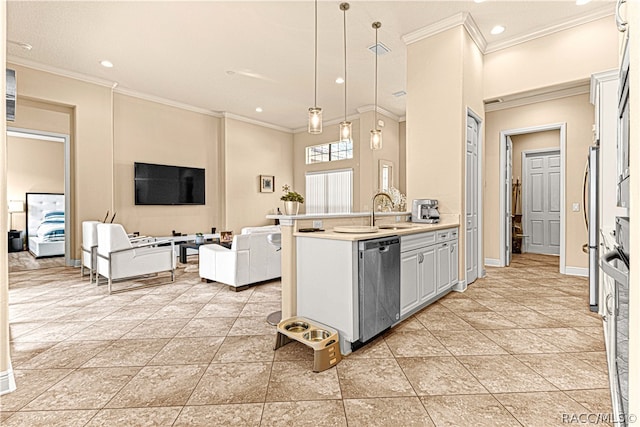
(251, 259)
(89, 247)
(119, 258)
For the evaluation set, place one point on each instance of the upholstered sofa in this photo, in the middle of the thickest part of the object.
(251, 259)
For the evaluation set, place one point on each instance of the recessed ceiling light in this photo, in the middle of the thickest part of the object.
(259, 109)
(339, 80)
(582, 2)
(478, 1)
(106, 64)
(498, 29)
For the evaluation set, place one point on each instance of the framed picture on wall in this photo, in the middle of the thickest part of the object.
(266, 183)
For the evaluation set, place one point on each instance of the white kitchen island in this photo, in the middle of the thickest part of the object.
(327, 272)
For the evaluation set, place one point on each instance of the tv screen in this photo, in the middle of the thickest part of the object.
(168, 185)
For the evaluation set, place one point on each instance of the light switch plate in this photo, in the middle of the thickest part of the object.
(317, 224)
(576, 207)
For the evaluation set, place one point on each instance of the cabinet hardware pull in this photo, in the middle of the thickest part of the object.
(606, 304)
(620, 23)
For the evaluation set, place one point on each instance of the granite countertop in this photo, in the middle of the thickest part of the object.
(329, 233)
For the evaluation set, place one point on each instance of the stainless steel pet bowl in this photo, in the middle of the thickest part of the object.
(296, 326)
(316, 335)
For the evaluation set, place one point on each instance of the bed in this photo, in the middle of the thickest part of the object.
(45, 224)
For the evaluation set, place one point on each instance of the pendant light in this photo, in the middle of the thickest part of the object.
(376, 134)
(345, 126)
(315, 112)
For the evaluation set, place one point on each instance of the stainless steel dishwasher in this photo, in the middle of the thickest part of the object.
(378, 286)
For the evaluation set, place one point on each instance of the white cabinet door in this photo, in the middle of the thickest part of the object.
(444, 266)
(454, 261)
(409, 281)
(428, 277)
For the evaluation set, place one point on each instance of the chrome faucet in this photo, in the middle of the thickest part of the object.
(373, 205)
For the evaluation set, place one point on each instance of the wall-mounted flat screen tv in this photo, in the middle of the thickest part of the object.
(168, 185)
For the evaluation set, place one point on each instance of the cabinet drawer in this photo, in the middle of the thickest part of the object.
(447, 234)
(415, 241)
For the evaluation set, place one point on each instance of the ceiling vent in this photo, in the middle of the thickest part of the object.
(379, 49)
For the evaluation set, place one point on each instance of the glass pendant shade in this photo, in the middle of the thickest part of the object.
(345, 131)
(315, 120)
(376, 139)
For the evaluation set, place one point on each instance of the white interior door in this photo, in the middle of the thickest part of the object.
(507, 191)
(541, 194)
(471, 205)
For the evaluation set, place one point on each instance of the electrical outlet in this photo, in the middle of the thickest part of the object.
(317, 224)
(576, 207)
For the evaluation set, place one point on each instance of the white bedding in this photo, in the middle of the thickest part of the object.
(46, 224)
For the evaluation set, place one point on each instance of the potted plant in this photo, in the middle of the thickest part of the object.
(199, 238)
(291, 200)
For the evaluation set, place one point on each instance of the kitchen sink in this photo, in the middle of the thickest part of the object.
(399, 226)
(355, 229)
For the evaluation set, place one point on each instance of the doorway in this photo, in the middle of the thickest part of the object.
(36, 136)
(506, 180)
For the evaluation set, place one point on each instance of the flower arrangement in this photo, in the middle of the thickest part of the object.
(399, 199)
(290, 195)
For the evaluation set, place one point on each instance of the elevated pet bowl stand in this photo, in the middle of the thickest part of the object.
(321, 338)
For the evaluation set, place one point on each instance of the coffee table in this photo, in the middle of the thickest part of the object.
(196, 246)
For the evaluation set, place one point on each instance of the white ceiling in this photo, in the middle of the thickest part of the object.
(186, 52)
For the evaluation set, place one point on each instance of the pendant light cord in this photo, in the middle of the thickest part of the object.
(315, 58)
(344, 12)
(375, 89)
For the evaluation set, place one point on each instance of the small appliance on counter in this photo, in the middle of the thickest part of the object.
(425, 210)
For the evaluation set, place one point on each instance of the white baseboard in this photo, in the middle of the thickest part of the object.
(576, 271)
(7, 381)
(461, 286)
(492, 262)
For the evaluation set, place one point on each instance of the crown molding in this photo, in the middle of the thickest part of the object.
(435, 28)
(539, 95)
(601, 77)
(542, 32)
(463, 18)
(474, 32)
(165, 101)
(239, 118)
(59, 71)
(367, 108)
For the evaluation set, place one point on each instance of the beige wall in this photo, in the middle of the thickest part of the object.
(91, 153)
(530, 142)
(370, 159)
(149, 132)
(5, 357)
(444, 78)
(578, 114)
(34, 166)
(329, 134)
(365, 162)
(434, 116)
(565, 56)
(250, 151)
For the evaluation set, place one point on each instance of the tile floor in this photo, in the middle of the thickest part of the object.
(518, 348)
